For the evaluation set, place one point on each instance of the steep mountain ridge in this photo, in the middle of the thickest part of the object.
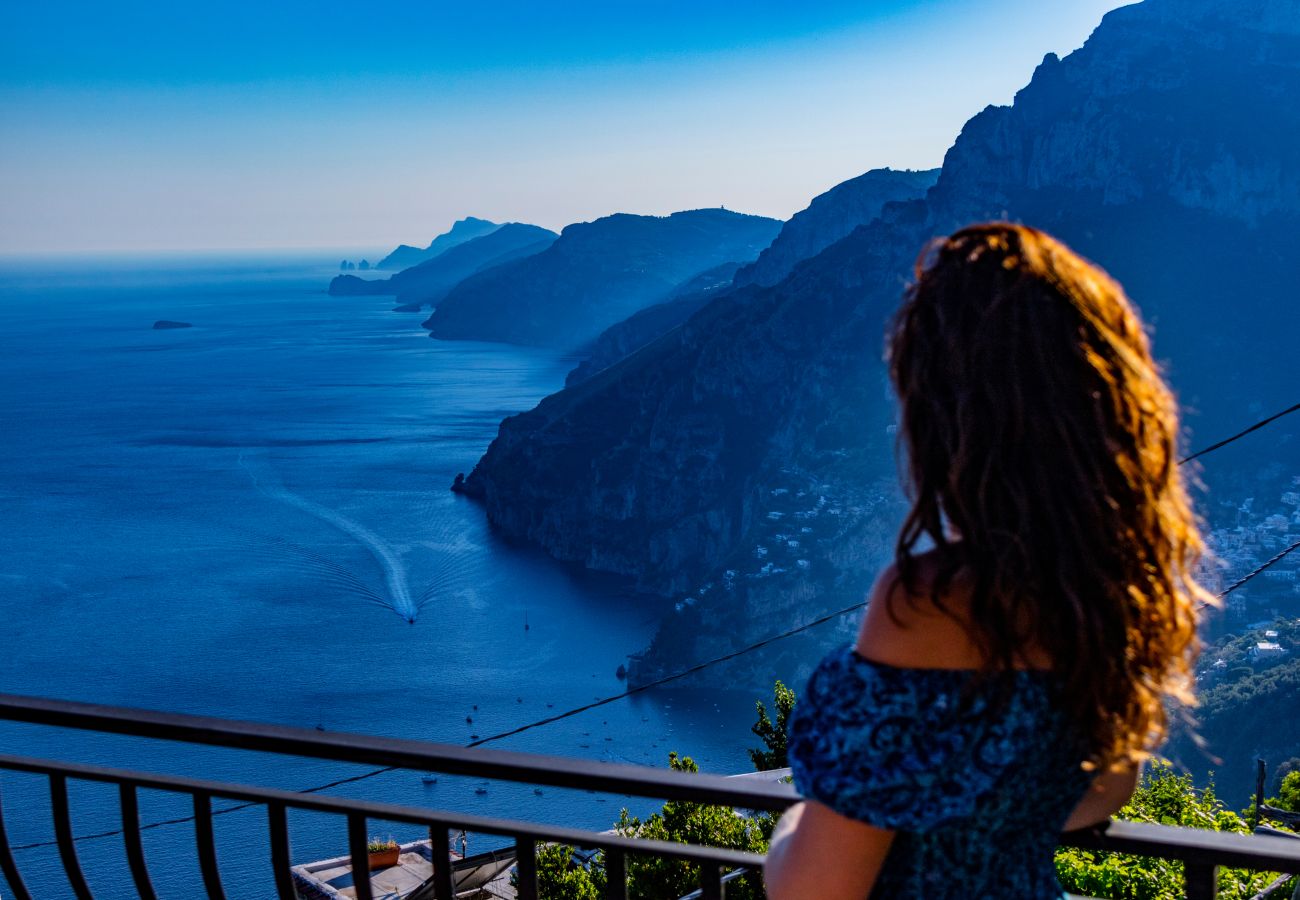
(832, 216)
(462, 230)
(597, 273)
(425, 284)
(829, 217)
(742, 461)
(642, 327)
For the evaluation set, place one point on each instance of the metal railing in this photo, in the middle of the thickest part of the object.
(1201, 851)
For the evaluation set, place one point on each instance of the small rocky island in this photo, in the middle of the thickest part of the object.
(164, 324)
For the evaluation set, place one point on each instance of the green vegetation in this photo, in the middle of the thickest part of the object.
(1167, 798)
(1247, 702)
(1288, 794)
(693, 823)
(1248, 708)
(1235, 649)
(772, 734)
(562, 876)
(379, 845)
(1163, 797)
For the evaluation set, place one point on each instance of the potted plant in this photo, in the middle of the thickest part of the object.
(383, 852)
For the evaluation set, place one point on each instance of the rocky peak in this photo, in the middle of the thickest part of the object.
(1172, 99)
(594, 275)
(462, 230)
(1163, 148)
(831, 216)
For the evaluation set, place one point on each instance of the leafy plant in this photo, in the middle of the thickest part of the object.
(1167, 798)
(379, 845)
(772, 733)
(654, 877)
(1288, 794)
(560, 876)
(1163, 796)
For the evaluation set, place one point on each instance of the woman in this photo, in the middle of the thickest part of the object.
(1012, 667)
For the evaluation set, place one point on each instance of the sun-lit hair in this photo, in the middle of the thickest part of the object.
(1040, 440)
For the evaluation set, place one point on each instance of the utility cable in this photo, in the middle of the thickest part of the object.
(587, 706)
(699, 667)
(675, 676)
(495, 737)
(1240, 581)
(1239, 435)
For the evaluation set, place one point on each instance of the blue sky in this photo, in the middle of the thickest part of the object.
(135, 127)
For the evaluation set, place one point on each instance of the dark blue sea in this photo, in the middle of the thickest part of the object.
(241, 518)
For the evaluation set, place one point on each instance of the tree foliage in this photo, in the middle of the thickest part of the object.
(1247, 707)
(772, 733)
(655, 877)
(1167, 798)
(1163, 797)
(561, 877)
(1288, 793)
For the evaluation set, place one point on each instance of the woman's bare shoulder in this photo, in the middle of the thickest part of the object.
(906, 628)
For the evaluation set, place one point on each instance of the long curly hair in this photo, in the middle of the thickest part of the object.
(1040, 441)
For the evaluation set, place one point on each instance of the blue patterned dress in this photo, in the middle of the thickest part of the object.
(976, 789)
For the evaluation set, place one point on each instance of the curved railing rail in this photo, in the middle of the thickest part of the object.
(1201, 851)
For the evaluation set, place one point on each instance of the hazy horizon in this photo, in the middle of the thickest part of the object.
(136, 129)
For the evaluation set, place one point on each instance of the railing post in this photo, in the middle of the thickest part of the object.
(63, 834)
(710, 881)
(130, 803)
(207, 848)
(9, 867)
(440, 856)
(1260, 776)
(359, 850)
(278, 821)
(1202, 880)
(1200, 852)
(615, 875)
(526, 867)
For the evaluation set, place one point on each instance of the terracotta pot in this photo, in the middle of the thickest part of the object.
(382, 858)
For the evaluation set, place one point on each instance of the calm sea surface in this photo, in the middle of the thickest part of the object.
(241, 518)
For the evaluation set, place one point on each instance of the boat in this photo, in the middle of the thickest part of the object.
(429, 779)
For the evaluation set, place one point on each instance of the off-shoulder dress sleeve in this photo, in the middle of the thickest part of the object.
(897, 748)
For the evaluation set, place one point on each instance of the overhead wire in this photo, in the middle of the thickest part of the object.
(676, 676)
(1241, 434)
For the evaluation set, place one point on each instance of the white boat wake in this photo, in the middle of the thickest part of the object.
(398, 597)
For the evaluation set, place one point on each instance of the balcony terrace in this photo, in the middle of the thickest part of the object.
(1201, 852)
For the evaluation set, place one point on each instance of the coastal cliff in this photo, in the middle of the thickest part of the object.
(640, 328)
(742, 462)
(596, 274)
(832, 216)
(428, 282)
(828, 218)
(462, 230)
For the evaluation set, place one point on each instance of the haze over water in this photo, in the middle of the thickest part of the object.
(241, 518)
